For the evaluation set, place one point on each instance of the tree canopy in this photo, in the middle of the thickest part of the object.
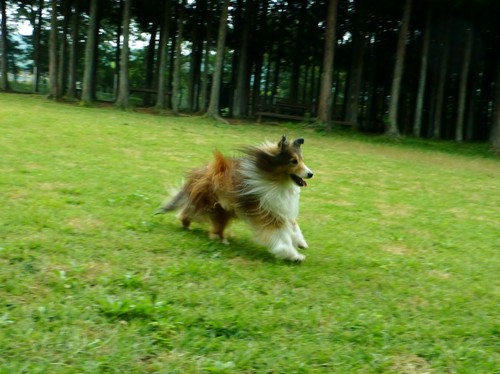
(427, 68)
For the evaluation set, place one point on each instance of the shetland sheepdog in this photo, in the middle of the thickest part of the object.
(262, 188)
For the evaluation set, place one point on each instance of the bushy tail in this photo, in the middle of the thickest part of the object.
(173, 204)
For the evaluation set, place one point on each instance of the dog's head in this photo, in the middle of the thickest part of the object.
(282, 161)
(291, 153)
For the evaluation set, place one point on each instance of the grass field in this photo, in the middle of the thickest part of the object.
(402, 273)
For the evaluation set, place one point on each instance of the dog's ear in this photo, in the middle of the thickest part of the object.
(283, 143)
(298, 142)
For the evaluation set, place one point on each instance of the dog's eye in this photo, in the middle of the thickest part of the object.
(294, 161)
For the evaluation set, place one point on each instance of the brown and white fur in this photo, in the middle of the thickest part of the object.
(262, 188)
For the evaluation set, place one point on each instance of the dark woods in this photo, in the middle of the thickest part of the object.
(427, 68)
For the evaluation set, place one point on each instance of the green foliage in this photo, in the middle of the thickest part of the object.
(401, 275)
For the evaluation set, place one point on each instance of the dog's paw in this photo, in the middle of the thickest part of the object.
(213, 236)
(298, 257)
(302, 244)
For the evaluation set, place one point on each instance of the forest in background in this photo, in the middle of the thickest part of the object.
(422, 68)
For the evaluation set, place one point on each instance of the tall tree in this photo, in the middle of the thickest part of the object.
(213, 106)
(356, 70)
(241, 96)
(163, 56)
(89, 66)
(298, 53)
(193, 88)
(62, 62)
(5, 86)
(122, 101)
(73, 51)
(37, 37)
(176, 86)
(206, 59)
(53, 63)
(417, 125)
(495, 130)
(462, 96)
(150, 63)
(324, 102)
(441, 84)
(392, 128)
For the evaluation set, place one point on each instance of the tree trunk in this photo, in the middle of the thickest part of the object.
(196, 55)
(495, 130)
(240, 105)
(53, 75)
(417, 126)
(73, 51)
(324, 102)
(163, 57)
(298, 52)
(122, 101)
(63, 58)
(438, 114)
(462, 97)
(356, 71)
(176, 86)
(206, 61)
(37, 31)
(4, 65)
(213, 107)
(392, 128)
(89, 66)
(116, 80)
(150, 64)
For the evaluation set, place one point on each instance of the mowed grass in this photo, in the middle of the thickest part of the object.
(402, 274)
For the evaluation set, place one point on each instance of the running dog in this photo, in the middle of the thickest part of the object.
(262, 188)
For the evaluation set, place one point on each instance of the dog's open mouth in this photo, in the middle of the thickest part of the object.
(298, 180)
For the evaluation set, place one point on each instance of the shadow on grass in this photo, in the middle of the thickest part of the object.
(197, 237)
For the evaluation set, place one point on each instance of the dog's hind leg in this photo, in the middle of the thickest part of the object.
(185, 216)
(219, 219)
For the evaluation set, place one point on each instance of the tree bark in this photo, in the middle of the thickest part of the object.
(258, 55)
(206, 61)
(298, 53)
(73, 51)
(150, 63)
(4, 64)
(417, 125)
(213, 107)
(62, 74)
(89, 67)
(163, 57)
(392, 128)
(443, 67)
(122, 101)
(464, 77)
(176, 86)
(324, 102)
(37, 31)
(53, 75)
(495, 130)
(116, 80)
(356, 71)
(240, 105)
(196, 55)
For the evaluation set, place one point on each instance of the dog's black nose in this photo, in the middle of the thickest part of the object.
(310, 175)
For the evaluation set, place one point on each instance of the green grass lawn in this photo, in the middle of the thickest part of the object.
(402, 273)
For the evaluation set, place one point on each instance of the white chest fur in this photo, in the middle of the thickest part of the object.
(281, 199)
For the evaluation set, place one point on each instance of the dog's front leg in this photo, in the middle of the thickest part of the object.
(279, 242)
(297, 237)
